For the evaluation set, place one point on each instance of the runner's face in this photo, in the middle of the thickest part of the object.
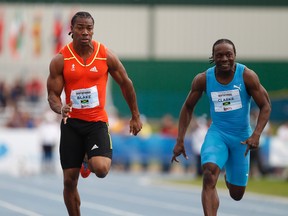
(224, 57)
(83, 30)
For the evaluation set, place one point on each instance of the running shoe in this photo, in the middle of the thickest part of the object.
(84, 170)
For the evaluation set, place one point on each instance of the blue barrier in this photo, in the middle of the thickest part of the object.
(136, 149)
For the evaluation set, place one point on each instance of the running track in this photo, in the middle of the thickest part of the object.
(123, 194)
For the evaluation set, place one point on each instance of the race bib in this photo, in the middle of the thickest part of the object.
(225, 101)
(84, 98)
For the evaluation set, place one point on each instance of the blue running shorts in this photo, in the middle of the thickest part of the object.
(227, 152)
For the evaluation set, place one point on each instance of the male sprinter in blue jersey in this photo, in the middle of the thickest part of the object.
(229, 87)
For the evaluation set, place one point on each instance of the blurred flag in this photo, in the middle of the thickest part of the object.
(37, 34)
(57, 33)
(16, 34)
(1, 30)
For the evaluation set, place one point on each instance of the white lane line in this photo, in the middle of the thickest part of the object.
(272, 210)
(108, 209)
(253, 197)
(58, 198)
(155, 203)
(17, 209)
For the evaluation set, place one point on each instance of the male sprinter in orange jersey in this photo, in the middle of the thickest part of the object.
(81, 68)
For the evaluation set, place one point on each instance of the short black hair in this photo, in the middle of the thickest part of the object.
(81, 14)
(223, 40)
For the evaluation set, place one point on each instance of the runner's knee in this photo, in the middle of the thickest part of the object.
(101, 173)
(70, 183)
(209, 179)
(101, 170)
(210, 175)
(236, 192)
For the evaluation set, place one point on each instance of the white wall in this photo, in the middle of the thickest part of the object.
(161, 32)
(189, 32)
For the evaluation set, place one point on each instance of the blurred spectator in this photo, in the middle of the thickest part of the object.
(34, 90)
(17, 91)
(3, 95)
(282, 132)
(49, 135)
(28, 120)
(199, 128)
(168, 126)
(258, 159)
(146, 127)
(168, 129)
(16, 120)
(280, 151)
(144, 150)
(116, 124)
(20, 119)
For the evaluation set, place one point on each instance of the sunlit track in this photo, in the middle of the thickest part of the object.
(17, 209)
(124, 194)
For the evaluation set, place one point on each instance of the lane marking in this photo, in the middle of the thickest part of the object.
(18, 209)
(58, 198)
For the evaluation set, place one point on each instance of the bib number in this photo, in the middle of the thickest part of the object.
(226, 100)
(85, 98)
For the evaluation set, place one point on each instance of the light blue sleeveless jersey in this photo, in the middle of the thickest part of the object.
(229, 104)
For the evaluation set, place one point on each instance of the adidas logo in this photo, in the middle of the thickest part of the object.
(94, 69)
(73, 67)
(94, 147)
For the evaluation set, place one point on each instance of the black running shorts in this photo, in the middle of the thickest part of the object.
(79, 137)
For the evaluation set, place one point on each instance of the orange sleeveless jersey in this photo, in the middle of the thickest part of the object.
(85, 85)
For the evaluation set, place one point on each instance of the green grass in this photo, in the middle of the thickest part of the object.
(267, 186)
